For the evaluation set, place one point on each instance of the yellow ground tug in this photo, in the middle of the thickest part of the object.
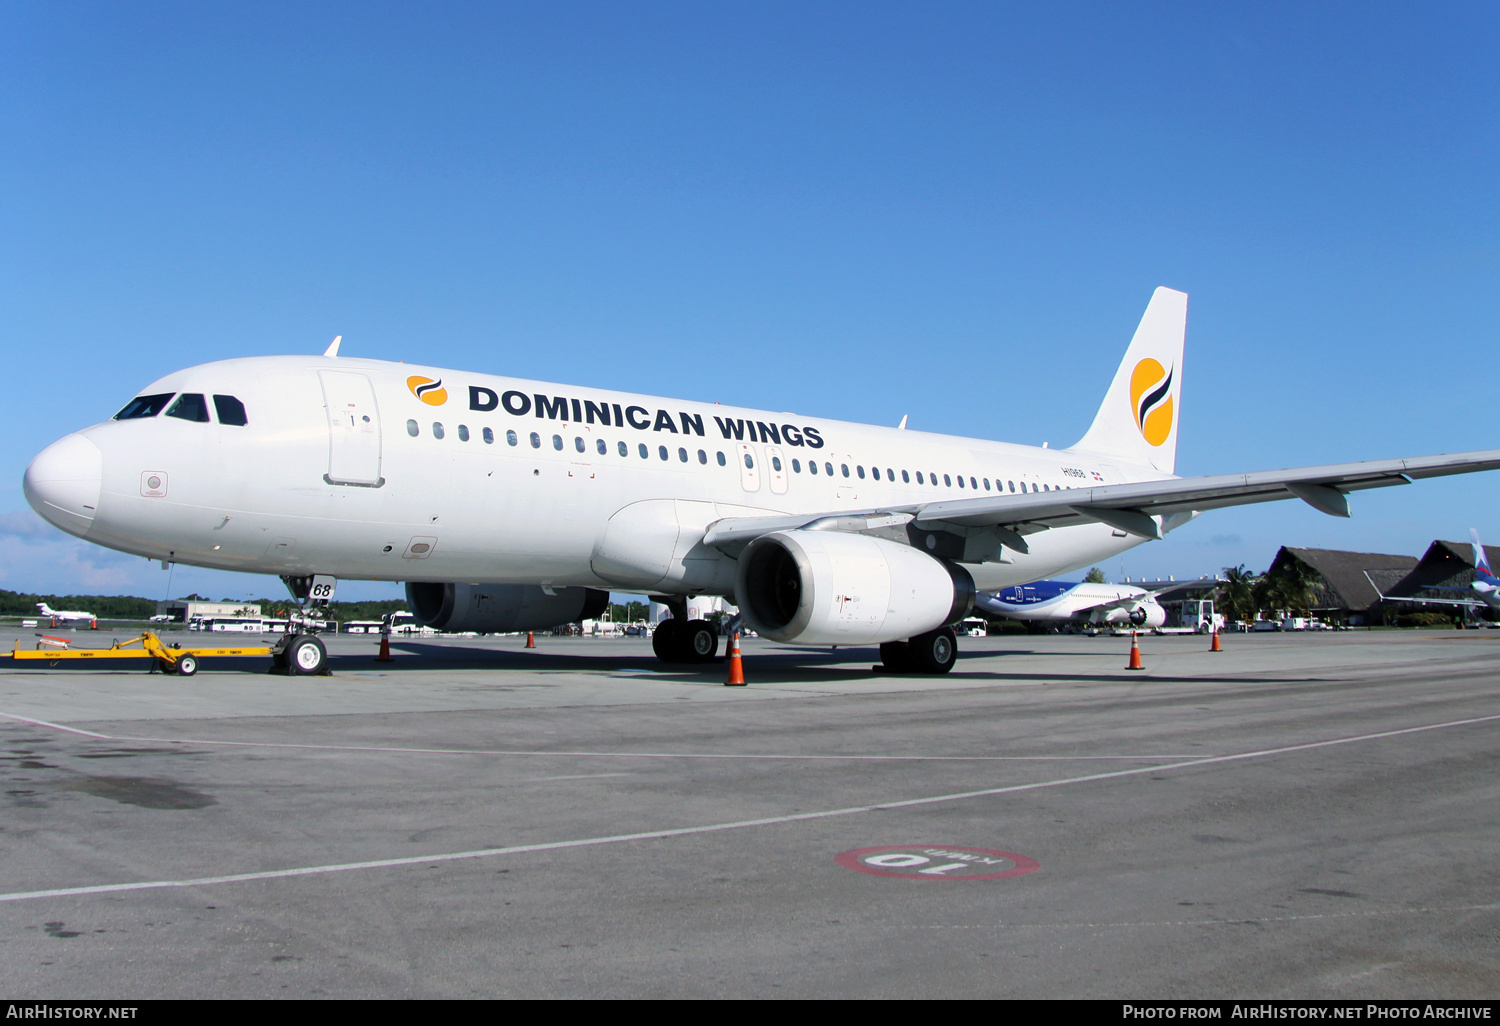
(293, 653)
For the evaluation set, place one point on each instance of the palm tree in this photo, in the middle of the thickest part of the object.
(1295, 586)
(1235, 595)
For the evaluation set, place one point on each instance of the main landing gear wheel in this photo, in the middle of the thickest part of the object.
(895, 656)
(933, 652)
(664, 641)
(699, 641)
(305, 655)
(187, 665)
(695, 641)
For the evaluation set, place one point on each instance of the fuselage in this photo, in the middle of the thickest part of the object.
(1071, 600)
(365, 469)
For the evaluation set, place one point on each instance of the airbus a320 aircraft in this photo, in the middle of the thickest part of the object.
(1075, 602)
(508, 504)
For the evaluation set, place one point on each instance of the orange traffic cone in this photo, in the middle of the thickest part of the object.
(736, 678)
(531, 639)
(1215, 646)
(385, 650)
(1135, 654)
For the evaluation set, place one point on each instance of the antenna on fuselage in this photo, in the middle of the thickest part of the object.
(333, 347)
(902, 426)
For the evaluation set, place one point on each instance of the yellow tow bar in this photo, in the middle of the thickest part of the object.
(171, 660)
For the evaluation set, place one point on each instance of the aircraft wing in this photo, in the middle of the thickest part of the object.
(1474, 603)
(1139, 508)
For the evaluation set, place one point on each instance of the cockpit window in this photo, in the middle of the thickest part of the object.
(190, 406)
(144, 406)
(230, 410)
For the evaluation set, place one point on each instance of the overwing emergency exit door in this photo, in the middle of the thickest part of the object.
(353, 429)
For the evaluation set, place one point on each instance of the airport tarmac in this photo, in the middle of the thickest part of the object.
(1298, 816)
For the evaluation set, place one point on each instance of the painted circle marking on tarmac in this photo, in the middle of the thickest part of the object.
(937, 862)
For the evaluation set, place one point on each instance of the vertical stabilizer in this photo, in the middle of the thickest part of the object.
(1137, 422)
(1481, 561)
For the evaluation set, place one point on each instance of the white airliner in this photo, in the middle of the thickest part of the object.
(1077, 602)
(64, 614)
(508, 504)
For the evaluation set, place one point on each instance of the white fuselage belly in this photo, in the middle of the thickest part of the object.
(257, 498)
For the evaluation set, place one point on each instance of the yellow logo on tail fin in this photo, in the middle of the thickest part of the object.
(1151, 400)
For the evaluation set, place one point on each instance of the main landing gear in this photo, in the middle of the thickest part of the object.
(934, 652)
(680, 640)
(690, 641)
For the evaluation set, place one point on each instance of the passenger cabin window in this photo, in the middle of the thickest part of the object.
(463, 432)
(230, 410)
(722, 461)
(412, 429)
(624, 449)
(645, 452)
(682, 455)
(510, 438)
(578, 444)
(557, 442)
(489, 436)
(776, 462)
(703, 457)
(905, 477)
(190, 406)
(602, 446)
(536, 440)
(437, 430)
(796, 466)
(812, 467)
(144, 406)
(861, 472)
(662, 451)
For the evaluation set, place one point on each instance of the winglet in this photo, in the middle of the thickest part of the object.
(333, 347)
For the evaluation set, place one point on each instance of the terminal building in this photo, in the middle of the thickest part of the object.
(183, 610)
(1368, 588)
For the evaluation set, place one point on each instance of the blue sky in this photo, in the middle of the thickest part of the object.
(856, 210)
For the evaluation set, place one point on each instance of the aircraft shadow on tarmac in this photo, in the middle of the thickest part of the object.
(782, 666)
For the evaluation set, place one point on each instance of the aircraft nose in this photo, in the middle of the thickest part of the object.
(63, 483)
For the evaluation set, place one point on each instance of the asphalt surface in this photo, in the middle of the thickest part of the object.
(1299, 816)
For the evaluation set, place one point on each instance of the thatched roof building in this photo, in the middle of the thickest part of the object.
(1446, 567)
(1353, 583)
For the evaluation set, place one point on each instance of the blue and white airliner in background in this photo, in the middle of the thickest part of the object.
(1085, 604)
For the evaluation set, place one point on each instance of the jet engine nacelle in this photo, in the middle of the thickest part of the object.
(1144, 614)
(833, 588)
(496, 608)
